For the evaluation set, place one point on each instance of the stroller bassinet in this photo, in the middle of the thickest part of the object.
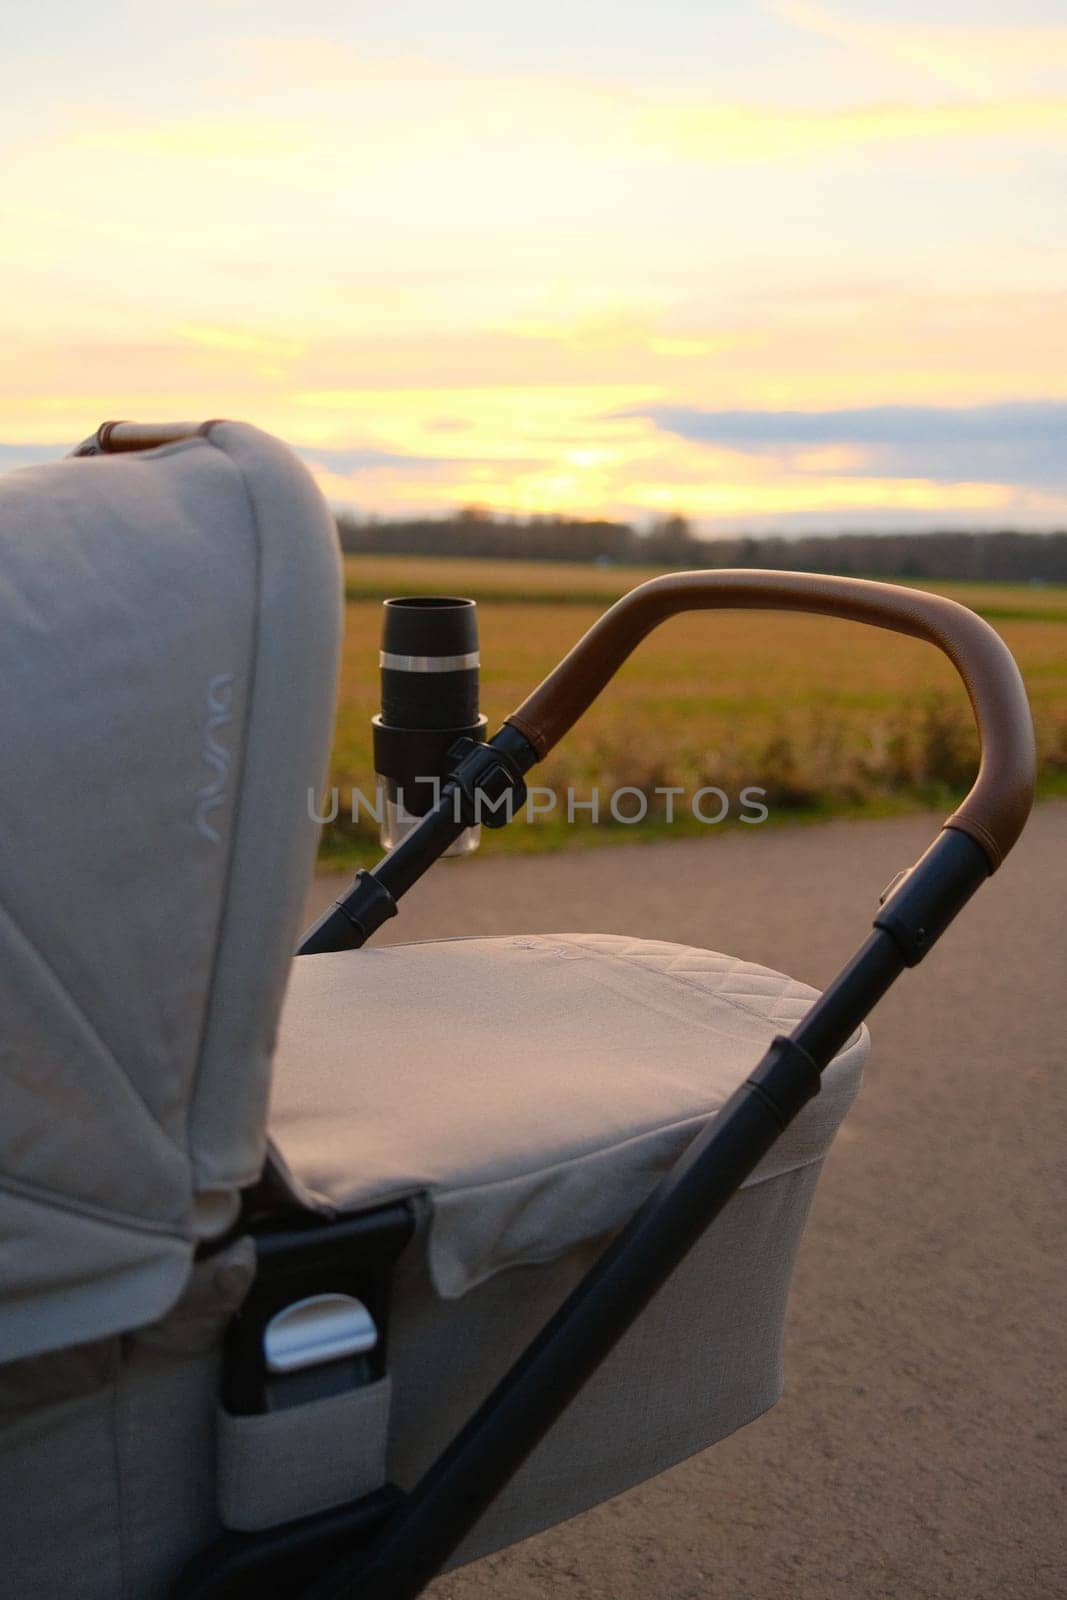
(231, 1345)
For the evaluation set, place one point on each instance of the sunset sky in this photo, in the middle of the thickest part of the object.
(779, 267)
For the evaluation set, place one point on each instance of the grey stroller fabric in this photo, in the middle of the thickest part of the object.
(109, 1450)
(169, 633)
(530, 1092)
(703, 1359)
(534, 1088)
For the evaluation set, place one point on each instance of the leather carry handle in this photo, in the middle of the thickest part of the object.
(120, 438)
(995, 810)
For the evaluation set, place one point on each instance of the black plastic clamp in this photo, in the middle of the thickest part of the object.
(919, 904)
(490, 787)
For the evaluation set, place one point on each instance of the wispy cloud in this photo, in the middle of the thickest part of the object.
(746, 133)
(1023, 443)
(976, 58)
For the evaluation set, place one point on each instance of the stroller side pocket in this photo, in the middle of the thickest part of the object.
(279, 1465)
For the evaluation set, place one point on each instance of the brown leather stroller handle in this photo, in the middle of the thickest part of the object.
(997, 806)
(120, 438)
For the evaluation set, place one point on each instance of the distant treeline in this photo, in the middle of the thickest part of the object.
(1003, 557)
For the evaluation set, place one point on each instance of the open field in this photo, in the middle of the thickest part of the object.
(827, 717)
(562, 583)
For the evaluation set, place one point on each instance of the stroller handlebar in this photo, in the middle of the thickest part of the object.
(995, 810)
(121, 438)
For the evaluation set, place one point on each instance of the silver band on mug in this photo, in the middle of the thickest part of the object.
(395, 663)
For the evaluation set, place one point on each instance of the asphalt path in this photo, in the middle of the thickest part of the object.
(920, 1449)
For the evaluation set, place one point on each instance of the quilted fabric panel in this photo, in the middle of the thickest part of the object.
(533, 1088)
(771, 995)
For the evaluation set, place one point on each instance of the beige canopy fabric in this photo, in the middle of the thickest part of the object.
(534, 1088)
(169, 634)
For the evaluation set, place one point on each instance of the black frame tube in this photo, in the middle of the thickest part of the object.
(349, 923)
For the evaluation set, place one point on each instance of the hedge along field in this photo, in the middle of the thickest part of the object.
(559, 582)
(827, 717)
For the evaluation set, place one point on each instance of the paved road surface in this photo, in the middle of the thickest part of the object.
(920, 1450)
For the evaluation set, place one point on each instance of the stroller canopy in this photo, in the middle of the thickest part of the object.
(169, 629)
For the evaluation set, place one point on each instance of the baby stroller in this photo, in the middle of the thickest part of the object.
(460, 1281)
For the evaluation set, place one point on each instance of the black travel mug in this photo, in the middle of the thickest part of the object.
(429, 670)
